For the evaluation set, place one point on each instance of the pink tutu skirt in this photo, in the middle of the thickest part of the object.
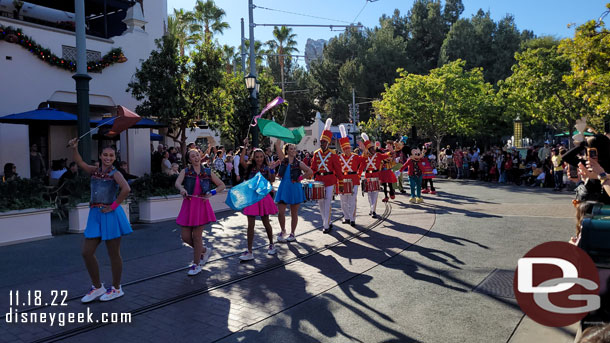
(195, 212)
(263, 207)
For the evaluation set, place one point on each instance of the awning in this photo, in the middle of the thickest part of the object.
(566, 134)
(337, 135)
(41, 115)
(155, 137)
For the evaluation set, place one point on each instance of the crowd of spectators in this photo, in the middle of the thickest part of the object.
(539, 166)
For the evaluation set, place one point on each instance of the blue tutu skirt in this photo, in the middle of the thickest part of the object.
(108, 226)
(290, 192)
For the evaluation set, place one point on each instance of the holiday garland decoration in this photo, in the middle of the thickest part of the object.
(16, 36)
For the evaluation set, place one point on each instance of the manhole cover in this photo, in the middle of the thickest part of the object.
(498, 284)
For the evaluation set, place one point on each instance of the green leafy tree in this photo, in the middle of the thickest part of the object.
(483, 43)
(234, 122)
(589, 53)
(449, 100)
(178, 92)
(427, 29)
(537, 87)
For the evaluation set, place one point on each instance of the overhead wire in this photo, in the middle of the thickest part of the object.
(304, 15)
(357, 15)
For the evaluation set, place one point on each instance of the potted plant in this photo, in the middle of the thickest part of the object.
(25, 214)
(157, 197)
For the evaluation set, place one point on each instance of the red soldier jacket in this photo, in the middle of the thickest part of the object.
(350, 167)
(326, 167)
(371, 165)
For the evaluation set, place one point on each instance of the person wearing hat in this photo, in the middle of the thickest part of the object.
(350, 165)
(327, 169)
(371, 166)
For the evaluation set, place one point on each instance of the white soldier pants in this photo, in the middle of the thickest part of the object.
(325, 205)
(373, 200)
(348, 204)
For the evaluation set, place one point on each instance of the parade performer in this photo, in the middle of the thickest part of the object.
(371, 166)
(290, 191)
(326, 168)
(386, 175)
(195, 185)
(258, 163)
(107, 222)
(414, 169)
(428, 164)
(350, 165)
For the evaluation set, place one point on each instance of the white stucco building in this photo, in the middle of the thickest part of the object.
(27, 82)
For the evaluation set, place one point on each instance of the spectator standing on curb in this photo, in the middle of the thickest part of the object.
(557, 169)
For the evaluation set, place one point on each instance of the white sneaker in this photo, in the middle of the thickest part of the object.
(93, 294)
(291, 238)
(281, 238)
(112, 294)
(246, 256)
(271, 250)
(206, 256)
(194, 269)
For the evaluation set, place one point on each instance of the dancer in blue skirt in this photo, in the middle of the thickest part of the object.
(107, 222)
(290, 192)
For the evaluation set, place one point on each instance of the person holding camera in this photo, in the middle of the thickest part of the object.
(592, 158)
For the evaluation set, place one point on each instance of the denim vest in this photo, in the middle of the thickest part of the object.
(295, 169)
(103, 187)
(252, 172)
(190, 177)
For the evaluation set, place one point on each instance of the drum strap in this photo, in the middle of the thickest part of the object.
(370, 165)
(323, 161)
(347, 168)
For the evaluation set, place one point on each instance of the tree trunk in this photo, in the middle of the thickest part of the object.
(571, 123)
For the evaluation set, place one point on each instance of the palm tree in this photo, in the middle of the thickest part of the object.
(178, 26)
(229, 57)
(284, 44)
(208, 18)
(259, 52)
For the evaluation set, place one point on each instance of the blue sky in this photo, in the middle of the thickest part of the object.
(544, 17)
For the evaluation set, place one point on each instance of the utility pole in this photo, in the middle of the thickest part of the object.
(354, 112)
(243, 48)
(82, 82)
(253, 94)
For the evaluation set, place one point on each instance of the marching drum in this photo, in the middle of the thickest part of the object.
(345, 186)
(314, 190)
(371, 185)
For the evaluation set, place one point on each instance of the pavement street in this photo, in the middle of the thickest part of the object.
(439, 271)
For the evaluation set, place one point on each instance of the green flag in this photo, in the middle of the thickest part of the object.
(272, 129)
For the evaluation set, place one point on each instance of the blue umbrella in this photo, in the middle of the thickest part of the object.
(41, 115)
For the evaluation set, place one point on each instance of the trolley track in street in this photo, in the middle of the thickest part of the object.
(187, 295)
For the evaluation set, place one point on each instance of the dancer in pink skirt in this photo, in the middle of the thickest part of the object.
(196, 185)
(265, 206)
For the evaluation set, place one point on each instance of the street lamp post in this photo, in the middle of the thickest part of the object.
(253, 87)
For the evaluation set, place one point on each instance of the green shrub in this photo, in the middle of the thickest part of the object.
(78, 190)
(158, 184)
(21, 194)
